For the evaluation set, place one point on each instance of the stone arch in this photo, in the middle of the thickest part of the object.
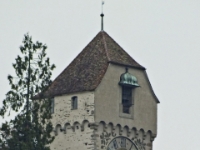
(68, 128)
(101, 126)
(149, 132)
(125, 131)
(141, 135)
(110, 127)
(148, 136)
(148, 140)
(76, 126)
(58, 129)
(85, 125)
(133, 133)
(118, 129)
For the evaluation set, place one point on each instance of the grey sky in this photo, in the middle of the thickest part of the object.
(162, 35)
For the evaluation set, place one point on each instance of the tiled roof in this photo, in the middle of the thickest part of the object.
(86, 71)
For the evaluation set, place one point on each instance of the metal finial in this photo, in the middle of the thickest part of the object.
(102, 15)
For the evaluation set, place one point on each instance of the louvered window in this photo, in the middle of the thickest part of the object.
(126, 99)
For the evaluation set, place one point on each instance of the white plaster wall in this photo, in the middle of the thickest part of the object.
(107, 105)
(75, 132)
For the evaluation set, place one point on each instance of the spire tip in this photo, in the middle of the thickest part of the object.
(102, 15)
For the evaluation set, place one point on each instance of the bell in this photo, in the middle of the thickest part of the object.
(126, 79)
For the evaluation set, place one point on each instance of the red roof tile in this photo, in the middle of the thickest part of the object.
(86, 71)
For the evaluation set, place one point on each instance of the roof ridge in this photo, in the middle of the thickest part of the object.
(105, 46)
(110, 57)
(75, 58)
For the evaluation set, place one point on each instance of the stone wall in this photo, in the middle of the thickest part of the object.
(97, 136)
(75, 137)
(105, 133)
(98, 118)
(72, 130)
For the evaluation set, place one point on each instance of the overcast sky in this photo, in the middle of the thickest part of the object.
(162, 35)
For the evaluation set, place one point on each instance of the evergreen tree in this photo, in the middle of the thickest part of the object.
(31, 129)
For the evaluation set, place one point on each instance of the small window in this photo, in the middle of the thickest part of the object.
(126, 99)
(52, 105)
(75, 102)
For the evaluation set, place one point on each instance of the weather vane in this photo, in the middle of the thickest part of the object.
(102, 6)
(102, 15)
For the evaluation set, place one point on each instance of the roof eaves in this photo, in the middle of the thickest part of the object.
(151, 88)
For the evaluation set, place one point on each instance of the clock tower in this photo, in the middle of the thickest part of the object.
(103, 100)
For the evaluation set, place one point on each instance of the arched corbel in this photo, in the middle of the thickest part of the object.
(153, 136)
(82, 127)
(128, 132)
(136, 133)
(120, 131)
(105, 128)
(56, 129)
(62, 129)
(73, 128)
(65, 127)
(93, 126)
(144, 136)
